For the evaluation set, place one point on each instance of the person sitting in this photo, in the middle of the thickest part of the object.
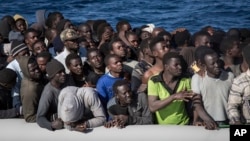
(126, 108)
(80, 108)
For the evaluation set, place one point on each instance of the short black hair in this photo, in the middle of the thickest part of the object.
(198, 35)
(44, 54)
(119, 83)
(204, 52)
(93, 50)
(92, 78)
(51, 18)
(154, 41)
(227, 43)
(168, 56)
(144, 44)
(37, 41)
(28, 31)
(181, 37)
(101, 29)
(70, 57)
(120, 24)
(108, 57)
(114, 40)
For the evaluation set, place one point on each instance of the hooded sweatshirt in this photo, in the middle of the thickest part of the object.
(30, 92)
(75, 104)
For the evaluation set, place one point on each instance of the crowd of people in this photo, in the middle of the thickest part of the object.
(61, 75)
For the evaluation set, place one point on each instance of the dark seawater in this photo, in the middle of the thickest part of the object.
(170, 14)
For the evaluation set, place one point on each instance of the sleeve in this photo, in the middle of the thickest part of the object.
(102, 93)
(95, 107)
(146, 116)
(234, 102)
(43, 109)
(152, 88)
(195, 81)
(135, 80)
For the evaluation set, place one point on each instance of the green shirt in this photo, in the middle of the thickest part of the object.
(174, 113)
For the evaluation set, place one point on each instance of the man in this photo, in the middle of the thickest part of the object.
(126, 108)
(105, 83)
(80, 108)
(169, 90)
(7, 81)
(96, 62)
(69, 38)
(238, 101)
(213, 99)
(47, 108)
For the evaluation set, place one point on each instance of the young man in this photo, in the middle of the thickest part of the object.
(80, 108)
(31, 87)
(238, 108)
(7, 81)
(213, 99)
(169, 90)
(105, 83)
(96, 62)
(47, 108)
(126, 108)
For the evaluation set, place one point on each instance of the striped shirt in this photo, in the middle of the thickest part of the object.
(239, 99)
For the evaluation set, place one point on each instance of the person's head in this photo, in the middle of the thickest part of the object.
(157, 30)
(144, 47)
(38, 47)
(209, 29)
(159, 47)
(146, 31)
(211, 63)
(122, 92)
(71, 106)
(30, 36)
(132, 38)
(172, 64)
(42, 59)
(74, 64)
(69, 38)
(182, 38)
(21, 25)
(84, 30)
(230, 46)
(64, 24)
(166, 36)
(91, 80)
(199, 54)
(113, 63)
(123, 25)
(53, 19)
(117, 46)
(104, 31)
(56, 71)
(235, 32)
(50, 35)
(201, 38)
(34, 70)
(18, 48)
(95, 58)
(8, 78)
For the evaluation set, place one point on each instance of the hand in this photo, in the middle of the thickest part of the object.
(184, 95)
(57, 124)
(210, 124)
(81, 127)
(110, 124)
(121, 120)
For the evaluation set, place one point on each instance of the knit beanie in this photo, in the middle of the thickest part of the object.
(53, 67)
(71, 109)
(17, 46)
(7, 76)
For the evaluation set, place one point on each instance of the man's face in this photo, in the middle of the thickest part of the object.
(119, 49)
(42, 61)
(133, 40)
(203, 41)
(34, 71)
(72, 44)
(212, 64)
(76, 66)
(115, 65)
(124, 95)
(160, 49)
(174, 67)
(60, 77)
(95, 59)
(21, 25)
(31, 38)
(85, 31)
(39, 47)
